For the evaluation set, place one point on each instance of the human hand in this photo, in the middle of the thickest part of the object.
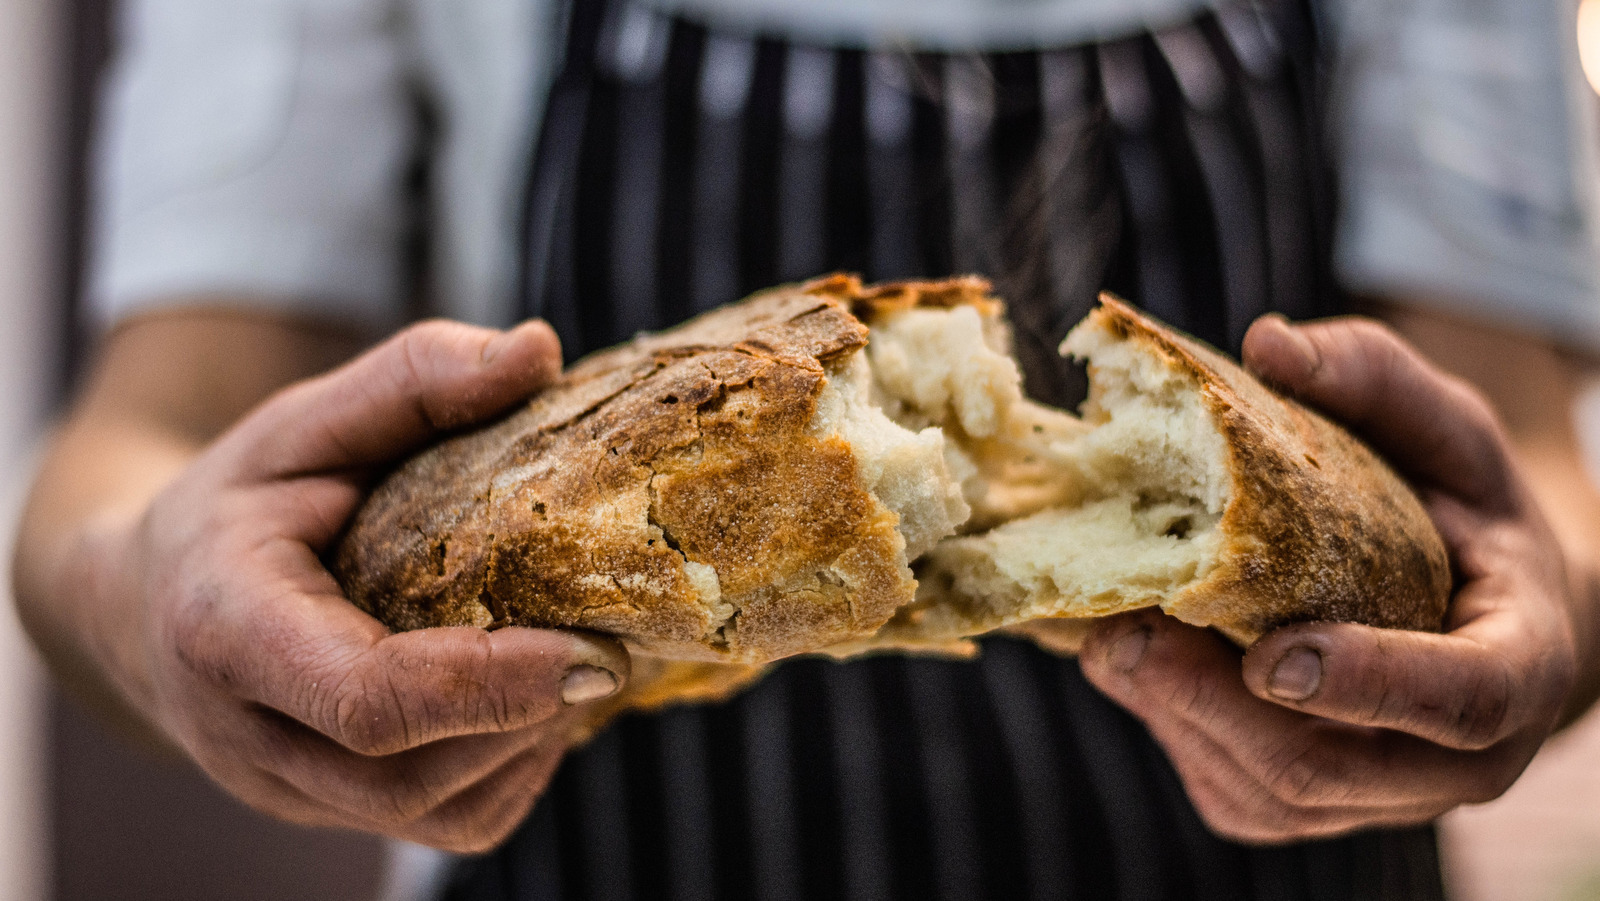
(222, 627)
(1334, 726)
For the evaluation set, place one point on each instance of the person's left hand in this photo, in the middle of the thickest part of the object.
(1334, 726)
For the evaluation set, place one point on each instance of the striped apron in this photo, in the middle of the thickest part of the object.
(681, 166)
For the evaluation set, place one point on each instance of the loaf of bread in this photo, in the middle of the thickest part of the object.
(844, 468)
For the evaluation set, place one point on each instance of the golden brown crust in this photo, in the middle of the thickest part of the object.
(656, 682)
(592, 506)
(687, 447)
(1318, 528)
(871, 302)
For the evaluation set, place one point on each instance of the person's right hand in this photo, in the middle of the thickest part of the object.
(222, 627)
(1324, 728)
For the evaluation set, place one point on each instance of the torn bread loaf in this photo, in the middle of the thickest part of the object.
(833, 467)
(1185, 484)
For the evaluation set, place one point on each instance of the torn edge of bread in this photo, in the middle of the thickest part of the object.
(1014, 511)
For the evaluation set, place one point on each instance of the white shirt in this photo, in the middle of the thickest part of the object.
(261, 149)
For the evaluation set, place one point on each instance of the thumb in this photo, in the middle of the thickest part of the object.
(429, 379)
(313, 656)
(1429, 424)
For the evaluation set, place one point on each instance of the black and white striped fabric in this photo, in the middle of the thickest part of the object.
(681, 166)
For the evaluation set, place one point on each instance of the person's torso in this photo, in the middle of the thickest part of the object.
(684, 162)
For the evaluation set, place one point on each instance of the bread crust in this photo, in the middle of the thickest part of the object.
(1318, 526)
(605, 502)
(590, 507)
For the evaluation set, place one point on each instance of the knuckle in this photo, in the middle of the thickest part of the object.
(485, 815)
(393, 793)
(1374, 677)
(1381, 352)
(408, 803)
(1233, 806)
(277, 738)
(482, 697)
(1371, 332)
(480, 826)
(494, 708)
(196, 644)
(483, 703)
(370, 721)
(472, 702)
(504, 709)
(428, 352)
(353, 724)
(421, 342)
(1471, 712)
(1478, 412)
(1480, 718)
(429, 333)
(1299, 778)
(1198, 698)
(1240, 821)
(410, 358)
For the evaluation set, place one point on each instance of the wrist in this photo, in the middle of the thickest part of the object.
(95, 641)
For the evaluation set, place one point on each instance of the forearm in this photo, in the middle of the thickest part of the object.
(97, 478)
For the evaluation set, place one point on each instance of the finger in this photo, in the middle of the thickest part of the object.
(483, 816)
(1184, 685)
(472, 822)
(1503, 564)
(320, 660)
(425, 381)
(1162, 669)
(1467, 690)
(236, 763)
(269, 793)
(1236, 804)
(393, 790)
(1429, 424)
(418, 687)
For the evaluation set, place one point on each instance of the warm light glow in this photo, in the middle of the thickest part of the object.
(1589, 41)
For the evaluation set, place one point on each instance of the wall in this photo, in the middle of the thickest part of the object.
(29, 142)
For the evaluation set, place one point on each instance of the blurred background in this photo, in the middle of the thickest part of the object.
(83, 818)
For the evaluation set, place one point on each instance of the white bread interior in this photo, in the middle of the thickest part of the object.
(1014, 511)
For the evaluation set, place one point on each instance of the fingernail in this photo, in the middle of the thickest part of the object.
(1297, 676)
(1128, 650)
(1310, 357)
(583, 684)
(493, 346)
